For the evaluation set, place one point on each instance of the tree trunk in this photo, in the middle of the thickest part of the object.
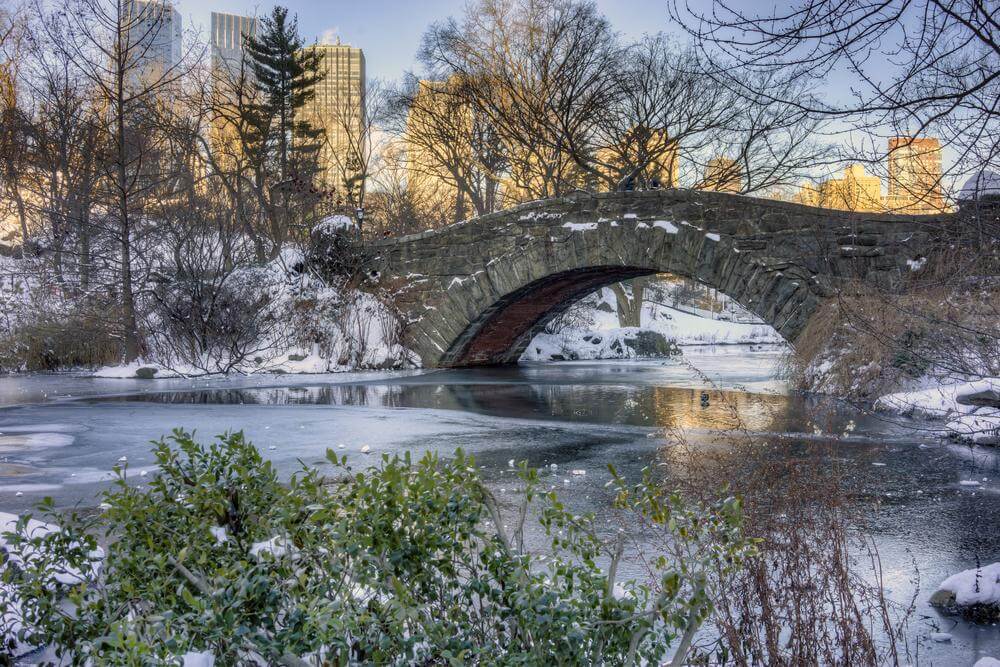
(630, 306)
(130, 330)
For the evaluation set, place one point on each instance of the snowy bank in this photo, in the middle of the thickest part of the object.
(591, 330)
(302, 325)
(624, 343)
(971, 410)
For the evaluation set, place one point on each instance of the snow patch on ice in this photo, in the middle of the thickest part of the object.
(975, 586)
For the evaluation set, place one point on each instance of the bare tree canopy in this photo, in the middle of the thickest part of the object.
(573, 106)
(916, 67)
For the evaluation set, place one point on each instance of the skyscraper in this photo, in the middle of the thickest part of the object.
(229, 34)
(155, 37)
(233, 82)
(338, 108)
(915, 175)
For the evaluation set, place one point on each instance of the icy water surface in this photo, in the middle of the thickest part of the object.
(60, 436)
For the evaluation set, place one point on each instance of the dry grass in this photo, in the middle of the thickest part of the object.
(813, 593)
(50, 343)
(866, 343)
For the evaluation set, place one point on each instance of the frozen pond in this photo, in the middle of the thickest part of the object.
(60, 436)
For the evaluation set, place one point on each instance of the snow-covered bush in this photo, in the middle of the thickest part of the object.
(275, 317)
(46, 326)
(409, 562)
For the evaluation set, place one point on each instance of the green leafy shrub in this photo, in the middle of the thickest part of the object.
(407, 562)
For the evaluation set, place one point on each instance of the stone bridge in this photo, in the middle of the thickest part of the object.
(477, 292)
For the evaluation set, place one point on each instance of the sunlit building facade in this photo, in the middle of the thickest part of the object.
(232, 81)
(723, 174)
(856, 190)
(229, 33)
(915, 176)
(338, 108)
(155, 36)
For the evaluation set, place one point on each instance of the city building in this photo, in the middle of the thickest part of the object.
(807, 194)
(855, 191)
(228, 37)
(722, 174)
(915, 176)
(232, 82)
(155, 38)
(433, 141)
(338, 108)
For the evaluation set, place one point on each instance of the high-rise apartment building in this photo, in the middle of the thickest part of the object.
(232, 81)
(915, 175)
(338, 108)
(155, 37)
(722, 174)
(855, 191)
(228, 37)
(433, 140)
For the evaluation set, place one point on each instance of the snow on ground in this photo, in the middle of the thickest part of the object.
(574, 345)
(936, 402)
(951, 403)
(595, 333)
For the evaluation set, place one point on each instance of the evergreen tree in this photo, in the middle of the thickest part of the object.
(286, 75)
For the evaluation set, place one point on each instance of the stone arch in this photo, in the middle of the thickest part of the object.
(475, 293)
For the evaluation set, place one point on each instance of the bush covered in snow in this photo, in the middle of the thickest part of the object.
(276, 317)
(200, 314)
(409, 562)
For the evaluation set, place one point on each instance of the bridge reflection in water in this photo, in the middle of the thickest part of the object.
(609, 404)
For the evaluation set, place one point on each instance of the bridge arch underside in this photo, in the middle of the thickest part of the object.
(503, 331)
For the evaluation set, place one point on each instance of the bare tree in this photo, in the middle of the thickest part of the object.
(917, 68)
(13, 123)
(118, 46)
(452, 151)
(353, 142)
(513, 62)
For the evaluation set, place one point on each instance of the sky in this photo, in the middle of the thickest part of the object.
(389, 31)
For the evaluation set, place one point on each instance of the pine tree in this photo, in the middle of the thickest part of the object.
(287, 76)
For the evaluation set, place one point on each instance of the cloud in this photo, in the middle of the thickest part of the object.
(330, 35)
